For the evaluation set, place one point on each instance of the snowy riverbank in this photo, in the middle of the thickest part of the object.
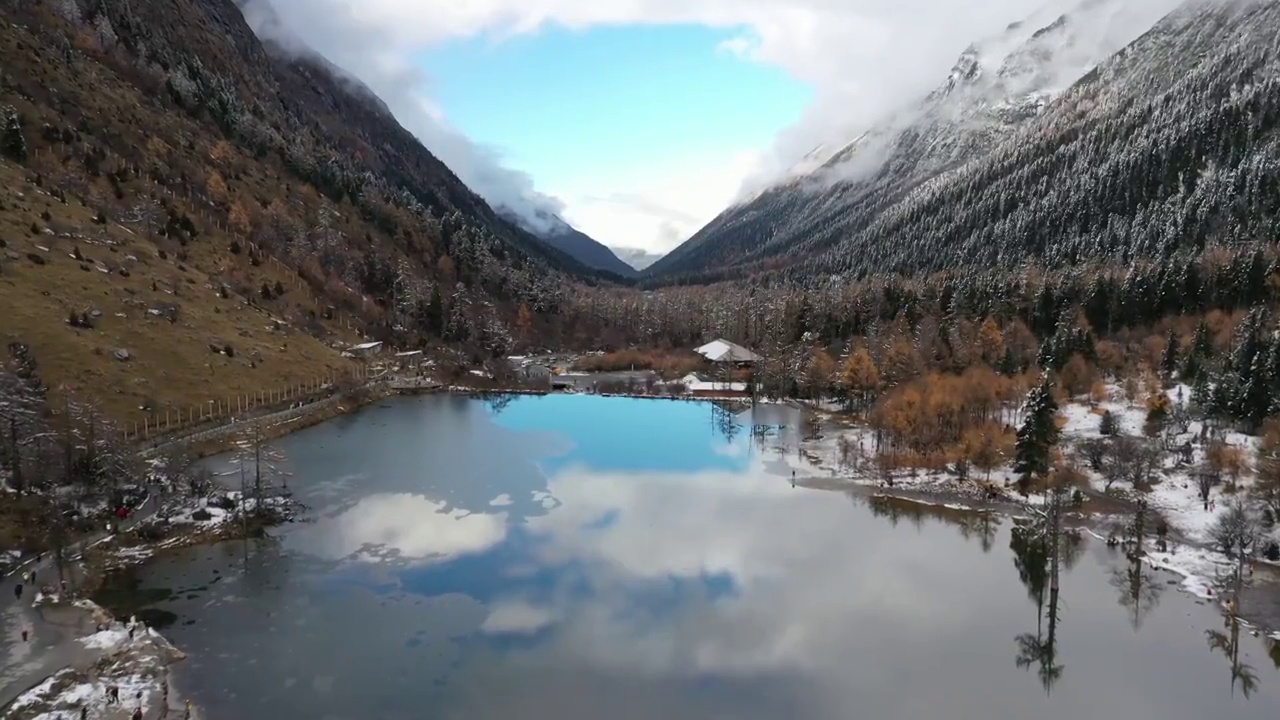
(845, 454)
(128, 661)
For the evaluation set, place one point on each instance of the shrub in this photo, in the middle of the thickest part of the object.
(668, 365)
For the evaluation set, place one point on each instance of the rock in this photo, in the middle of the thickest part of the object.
(13, 254)
(95, 313)
(37, 259)
(122, 355)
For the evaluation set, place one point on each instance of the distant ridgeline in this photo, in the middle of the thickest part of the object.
(1168, 146)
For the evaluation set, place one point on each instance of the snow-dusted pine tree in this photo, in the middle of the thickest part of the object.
(1037, 436)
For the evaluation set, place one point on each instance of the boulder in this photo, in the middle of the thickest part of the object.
(122, 355)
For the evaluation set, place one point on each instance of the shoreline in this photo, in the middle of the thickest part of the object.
(104, 653)
(1200, 568)
(1185, 558)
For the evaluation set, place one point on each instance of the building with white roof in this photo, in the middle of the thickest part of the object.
(723, 351)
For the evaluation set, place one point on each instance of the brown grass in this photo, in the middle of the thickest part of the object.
(670, 365)
(172, 365)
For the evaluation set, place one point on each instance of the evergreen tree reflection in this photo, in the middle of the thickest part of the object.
(1041, 549)
(1228, 644)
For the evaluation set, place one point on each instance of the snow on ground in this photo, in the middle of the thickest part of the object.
(110, 639)
(9, 560)
(1174, 494)
(1200, 568)
(136, 665)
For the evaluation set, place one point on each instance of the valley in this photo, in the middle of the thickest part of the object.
(259, 343)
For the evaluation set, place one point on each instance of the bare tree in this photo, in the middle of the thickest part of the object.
(21, 427)
(1093, 451)
(175, 473)
(1131, 459)
(262, 469)
(1237, 532)
(1206, 478)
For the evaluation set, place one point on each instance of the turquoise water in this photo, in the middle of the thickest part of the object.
(585, 557)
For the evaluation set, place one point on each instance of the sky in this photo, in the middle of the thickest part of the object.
(638, 121)
(610, 119)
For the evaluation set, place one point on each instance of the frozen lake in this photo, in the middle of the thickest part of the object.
(569, 557)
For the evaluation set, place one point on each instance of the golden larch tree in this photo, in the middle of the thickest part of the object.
(238, 219)
(819, 372)
(860, 378)
(524, 323)
(990, 341)
(216, 186)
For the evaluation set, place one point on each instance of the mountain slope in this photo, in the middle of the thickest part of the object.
(1000, 165)
(557, 233)
(212, 192)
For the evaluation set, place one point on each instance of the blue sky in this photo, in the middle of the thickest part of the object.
(578, 110)
(639, 120)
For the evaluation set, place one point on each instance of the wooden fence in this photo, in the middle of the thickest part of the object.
(229, 409)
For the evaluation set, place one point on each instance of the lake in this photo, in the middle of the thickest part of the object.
(582, 557)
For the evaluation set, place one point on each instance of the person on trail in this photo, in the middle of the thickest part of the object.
(137, 713)
(187, 715)
(84, 712)
(25, 633)
(17, 591)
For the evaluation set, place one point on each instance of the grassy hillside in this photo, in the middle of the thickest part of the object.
(167, 314)
(228, 216)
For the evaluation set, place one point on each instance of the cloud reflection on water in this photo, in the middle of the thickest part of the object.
(404, 527)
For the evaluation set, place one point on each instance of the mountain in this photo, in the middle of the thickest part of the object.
(555, 232)
(230, 213)
(636, 257)
(1057, 144)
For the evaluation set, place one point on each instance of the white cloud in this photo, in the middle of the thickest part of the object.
(659, 208)
(861, 57)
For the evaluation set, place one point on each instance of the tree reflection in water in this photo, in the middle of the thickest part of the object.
(1041, 547)
(497, 401)
(1139, 590)
(1228, 643)
(972, 524)
(724, 421)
